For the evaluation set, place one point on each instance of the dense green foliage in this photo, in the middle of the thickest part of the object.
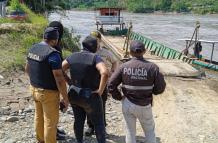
(19, 37)
(15, 5)
(197, 6)
(42, 5)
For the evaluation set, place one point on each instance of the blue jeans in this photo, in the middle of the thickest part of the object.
(93, 108)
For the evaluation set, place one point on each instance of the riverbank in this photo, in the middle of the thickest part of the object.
(16, 37)
(185, 112)
(150, 6)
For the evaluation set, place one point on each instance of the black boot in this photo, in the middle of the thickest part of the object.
(60, 137)
(60, 134)
(89, 132)
(60, 131)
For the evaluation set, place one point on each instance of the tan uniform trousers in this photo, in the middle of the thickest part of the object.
(46, 114)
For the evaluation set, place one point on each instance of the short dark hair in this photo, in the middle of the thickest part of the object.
(137, 46)
(59, 26)
(90, 43)
(51, 33)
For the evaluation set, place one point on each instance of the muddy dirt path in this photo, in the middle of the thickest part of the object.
(187, 112)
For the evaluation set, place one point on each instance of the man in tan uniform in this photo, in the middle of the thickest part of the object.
(111, 64)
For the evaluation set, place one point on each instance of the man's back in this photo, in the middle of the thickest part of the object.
(41, 75)
(83, 69)
(140, 79)
(107, 56)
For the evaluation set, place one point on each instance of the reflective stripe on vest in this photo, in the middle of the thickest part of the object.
(138, 87)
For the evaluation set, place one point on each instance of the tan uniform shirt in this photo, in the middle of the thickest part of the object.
(107, 57)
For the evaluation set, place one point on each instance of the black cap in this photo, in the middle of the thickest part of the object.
(137, 46)
(90, 44)
(51, 33)
(59, 27)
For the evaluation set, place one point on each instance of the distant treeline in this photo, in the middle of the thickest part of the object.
(138, 6)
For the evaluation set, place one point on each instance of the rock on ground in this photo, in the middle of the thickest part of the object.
(185, 113)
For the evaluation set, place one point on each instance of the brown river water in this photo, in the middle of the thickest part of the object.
(164, 28)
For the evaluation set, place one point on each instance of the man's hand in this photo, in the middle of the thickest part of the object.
(60, 81)
(66, 104)
(27, 70)
(99, 92)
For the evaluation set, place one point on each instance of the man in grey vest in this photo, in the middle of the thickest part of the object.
(140, 79)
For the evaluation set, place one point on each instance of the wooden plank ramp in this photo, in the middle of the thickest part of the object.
(169, 67)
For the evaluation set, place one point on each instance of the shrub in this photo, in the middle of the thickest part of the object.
(69, 41)
(15, 6)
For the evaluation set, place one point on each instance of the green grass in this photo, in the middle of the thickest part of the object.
(14, 45)
(7, 20)
(66, 53)
(14, 48)
(34, 18)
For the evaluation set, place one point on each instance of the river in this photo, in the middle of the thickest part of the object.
(164, 28)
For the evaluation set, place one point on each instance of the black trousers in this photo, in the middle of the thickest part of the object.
(104, 99)
(93, 108)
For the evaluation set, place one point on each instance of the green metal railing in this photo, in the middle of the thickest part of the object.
(160, 49)
(169, 53)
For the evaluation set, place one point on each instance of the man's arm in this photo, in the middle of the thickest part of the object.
(65, 67)
(114, 66)
(101, 67)
(114, 82)
(159, 83)
(60, 81)
(55, 63)
(27, 69)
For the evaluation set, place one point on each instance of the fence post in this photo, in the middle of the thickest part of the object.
(3, 8)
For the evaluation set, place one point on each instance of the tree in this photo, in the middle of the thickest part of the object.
(15, 5)
(180, 6)
(165, 5)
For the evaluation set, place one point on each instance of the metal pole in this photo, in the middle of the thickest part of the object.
(211, 58)
(44, 4)
(1, 9)
(4, 8)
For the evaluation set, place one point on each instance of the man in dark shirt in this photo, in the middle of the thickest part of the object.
(111, 64)
(58, 25)
(47, 83)
(140, 79)
(89, 74)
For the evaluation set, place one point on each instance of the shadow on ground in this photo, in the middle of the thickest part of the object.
(110, 139)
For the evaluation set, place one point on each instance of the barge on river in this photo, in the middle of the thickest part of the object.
(169, 60)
